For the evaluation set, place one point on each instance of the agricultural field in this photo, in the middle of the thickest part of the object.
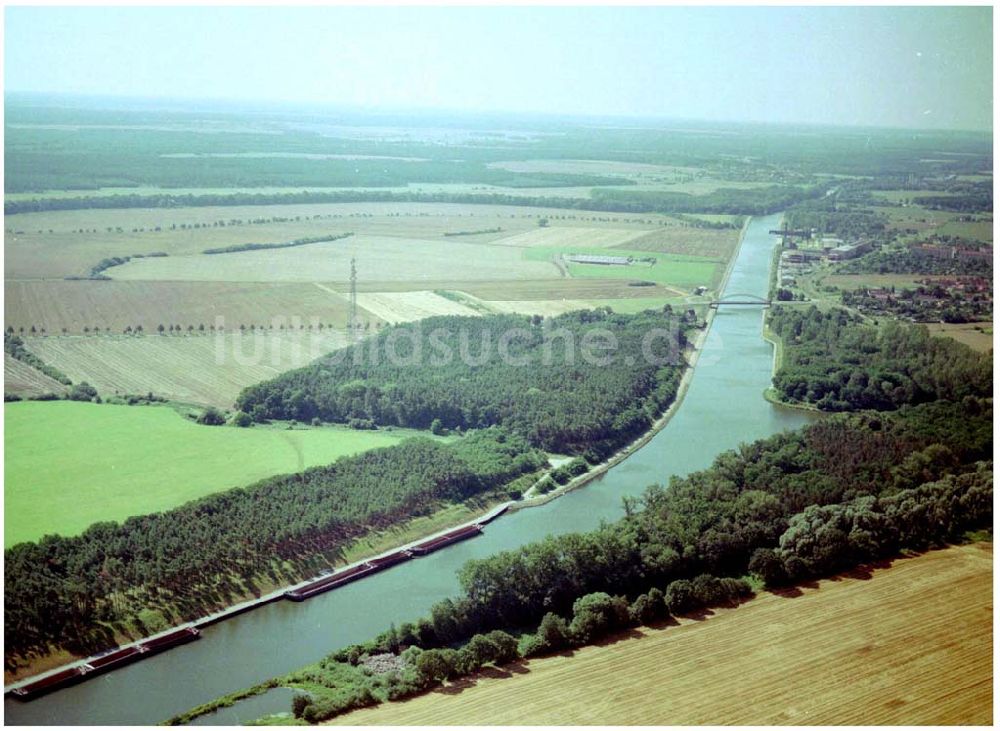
(571, 236)
(923, 221)
(70, 464)
(397, 307)
(21, 379)
(199, 369)
(977, 335)
(674, 271)
(373, 217)
(908, 197)
(590, 167)
(582, 289)
(927, 221)
(711, 243)
(978, 230)
(379, 258)
(69, 243)
(865, 648)
(70, 306)
(407, 255)
(551, 308)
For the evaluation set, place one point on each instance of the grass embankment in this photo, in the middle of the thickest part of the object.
(70, 464)
(910, 644)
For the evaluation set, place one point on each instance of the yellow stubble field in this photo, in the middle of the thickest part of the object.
(910, 644)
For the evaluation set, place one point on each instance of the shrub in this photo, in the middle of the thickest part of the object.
(647, 608)
(434, 666)
(82, 391)
(553, 633)
(547, 485)
(561, 475)
(595, 615)
(531, 646)
(768, 567)
(211, 417)
(679, 597)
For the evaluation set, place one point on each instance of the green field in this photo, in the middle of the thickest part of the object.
(670, 269)
(70, 464)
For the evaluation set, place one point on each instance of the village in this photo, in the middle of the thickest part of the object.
(961, 295)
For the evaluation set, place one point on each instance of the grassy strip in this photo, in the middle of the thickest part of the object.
(225, 701)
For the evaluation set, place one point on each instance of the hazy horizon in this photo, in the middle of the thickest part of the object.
(896, 67)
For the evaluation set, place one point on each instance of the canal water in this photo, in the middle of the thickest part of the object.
(724, 406)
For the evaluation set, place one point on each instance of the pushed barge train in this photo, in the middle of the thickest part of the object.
(121, 656)
(375, 565)
(105, 662)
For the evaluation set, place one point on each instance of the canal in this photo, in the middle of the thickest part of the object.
(723, 407)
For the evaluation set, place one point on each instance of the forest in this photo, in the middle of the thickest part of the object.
(842, 491)
(755, 202)
(834, 216)
(71, 591)
(914, 260)
(978, 201)
(451, 371)
(733, 201)
(834, 361)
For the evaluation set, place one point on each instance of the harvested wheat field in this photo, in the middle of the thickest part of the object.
(73, 305)
(910, 644)
(714, 243)
(23, 380)
(200, 369)
(572, 236)
(378, 258)
(396, 307)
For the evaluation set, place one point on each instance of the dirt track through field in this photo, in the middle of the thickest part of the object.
(910, 644)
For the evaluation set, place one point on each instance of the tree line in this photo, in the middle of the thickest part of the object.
(14, 346)
(296, 242)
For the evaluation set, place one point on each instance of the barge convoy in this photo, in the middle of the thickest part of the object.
(381, 563)
(121, 656)
(105, 662)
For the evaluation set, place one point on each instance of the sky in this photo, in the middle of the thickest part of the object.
(921, 67)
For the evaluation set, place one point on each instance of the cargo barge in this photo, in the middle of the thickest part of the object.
(104, 663)
(381, 563)
(115, 658)
(171, 639)
(446, 539)
(62, 679)
(347, 576)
